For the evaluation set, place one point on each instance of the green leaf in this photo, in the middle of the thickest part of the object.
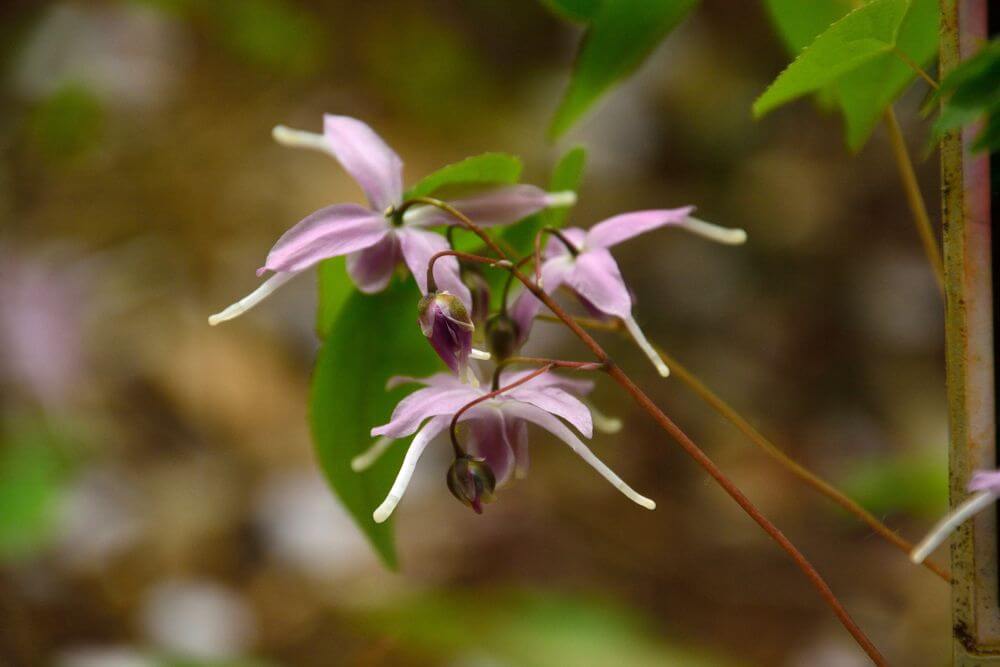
(856, 39)
(486, 168)
(620, 35)
(574, 10)
(854, 63)
(373, 338)
(567, 175)
(916, 483)
(334, 287)
(971, 92)
(866, 92)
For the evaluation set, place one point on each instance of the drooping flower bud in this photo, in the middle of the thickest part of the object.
(445, 321)
(502, 334)
(472, 482)
(479, 288)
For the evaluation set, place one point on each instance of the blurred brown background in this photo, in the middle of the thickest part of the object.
(159, 496)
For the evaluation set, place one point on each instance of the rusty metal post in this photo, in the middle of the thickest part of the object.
(969, 355)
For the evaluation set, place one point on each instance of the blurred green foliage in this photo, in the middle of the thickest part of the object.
(503, 627)
(33, 473)
(566, 175)
(971, 92)
(369, 342)
(856, 62)
(916, 483)
(69, 123)
(620, 35)
(485, 169)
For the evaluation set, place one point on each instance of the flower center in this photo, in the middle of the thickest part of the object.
(394, 216)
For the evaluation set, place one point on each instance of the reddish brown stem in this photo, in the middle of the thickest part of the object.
(465, 256)
(688, 445)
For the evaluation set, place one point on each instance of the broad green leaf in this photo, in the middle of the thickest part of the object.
(916, 483)
(856, 39)
(567, 175)
(334, 287)
(373, 338)
(865, 93)
(877, 73)
(487, 168)
(574, 10)
(619, 37)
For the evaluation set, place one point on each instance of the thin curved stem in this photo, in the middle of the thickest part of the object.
(464, 256)
(912, 64)
(689, 447)
(573, 250)
(914, 196)
(810, 478)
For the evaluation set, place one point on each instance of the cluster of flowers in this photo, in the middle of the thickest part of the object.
(389, 232)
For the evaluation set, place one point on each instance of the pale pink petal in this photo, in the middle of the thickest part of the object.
(363, 154)
(371, 269)
(418, 246)
(625, 226)
(329, 232)
(596, 277)
(558, 402)
(557, 428)
(517, 434)
(501, 206)
(526, 305)
(436, 380)
(422, 404)
(985, 480)
(556, 247)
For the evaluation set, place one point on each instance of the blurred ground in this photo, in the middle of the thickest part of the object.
(157, 484)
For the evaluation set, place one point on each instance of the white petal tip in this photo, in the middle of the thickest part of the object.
(917, 558)
(663, 370)
(292, 138)
(229, 313)
(280, 133)
(561, 199)
(712, 232)
(384, 511)
(481, 355)
(647, 503)
(358, 464)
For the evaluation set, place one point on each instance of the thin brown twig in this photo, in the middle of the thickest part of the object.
(690, 448)
(914, 197)
(768, 447)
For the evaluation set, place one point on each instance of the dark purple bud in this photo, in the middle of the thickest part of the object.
(445, 321)
(480, 290)
(472, 482)
(502, 336)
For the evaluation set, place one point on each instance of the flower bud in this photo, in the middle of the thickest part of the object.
(472, 482)
(502, 335)
(445, 321)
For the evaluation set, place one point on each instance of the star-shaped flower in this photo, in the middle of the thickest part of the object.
(377, 238)
(497, 427)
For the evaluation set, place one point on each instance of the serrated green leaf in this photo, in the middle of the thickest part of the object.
(574, 10)
(334, 287)
(566, 175)
(619, 37)
(865, 93)
(373, 338)
(488, 168)
(854, 40)
(799, 23)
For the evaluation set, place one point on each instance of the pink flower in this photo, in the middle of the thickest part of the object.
(376, 238)
(497, 427)
(581, 260)
(445, 321)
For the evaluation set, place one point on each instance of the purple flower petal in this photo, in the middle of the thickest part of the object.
(985, 480)
(335, 230)
(489, 440)
(557, 428)
(627, 225)
(366, 157)
(526, 306)
(422, 404)
(555, 247)
(517, 434)
(501, 206)
(418, 246)
(371, 269)
(436, 380)
(596, 277)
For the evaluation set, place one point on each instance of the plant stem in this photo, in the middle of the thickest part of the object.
(810, 478)
(688, 445)
(912, 64)
(453, 427)
(914, 197)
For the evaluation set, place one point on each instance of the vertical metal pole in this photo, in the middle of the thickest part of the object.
(969, 355)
